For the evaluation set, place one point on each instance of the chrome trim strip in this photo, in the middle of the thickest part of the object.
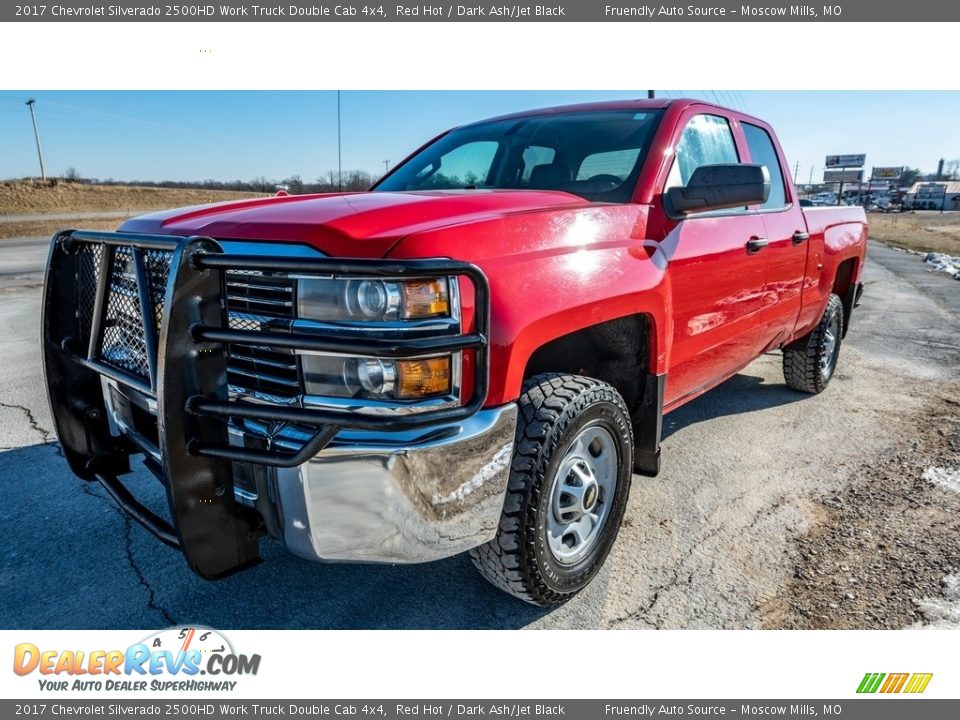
(378, 407)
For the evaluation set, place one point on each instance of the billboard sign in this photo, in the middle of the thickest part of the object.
(887, 173)
(842, 176)
(840, 161)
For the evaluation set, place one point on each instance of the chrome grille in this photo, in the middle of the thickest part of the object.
(254, 301)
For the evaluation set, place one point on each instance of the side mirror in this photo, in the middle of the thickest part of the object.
(714, 187)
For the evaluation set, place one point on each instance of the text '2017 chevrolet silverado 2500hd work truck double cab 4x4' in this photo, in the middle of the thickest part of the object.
(475, 355)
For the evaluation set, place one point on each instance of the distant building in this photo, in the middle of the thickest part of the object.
(919, 197)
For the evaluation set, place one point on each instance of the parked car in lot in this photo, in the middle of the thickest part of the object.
(475, 355)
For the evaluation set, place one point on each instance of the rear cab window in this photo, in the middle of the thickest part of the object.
(617, 163)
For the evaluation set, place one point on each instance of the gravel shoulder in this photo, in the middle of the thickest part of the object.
(885, 545)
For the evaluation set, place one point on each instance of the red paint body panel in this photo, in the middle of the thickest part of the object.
(558, 263)
(347, 225)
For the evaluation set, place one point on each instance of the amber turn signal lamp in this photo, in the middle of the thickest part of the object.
(425, 298)
(423, 378)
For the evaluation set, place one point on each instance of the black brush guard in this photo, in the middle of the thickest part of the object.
(180, 361)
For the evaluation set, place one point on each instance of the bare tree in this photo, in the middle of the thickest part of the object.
(910, 176)
(261, 184)
(294, 185)
(357, 180)
(951, 169)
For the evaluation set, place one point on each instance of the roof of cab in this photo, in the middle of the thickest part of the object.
(629, 104)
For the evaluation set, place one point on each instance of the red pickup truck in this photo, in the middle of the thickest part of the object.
(475, 355)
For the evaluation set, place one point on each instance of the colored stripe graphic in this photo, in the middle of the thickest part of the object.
(870, 682)
(894, 683)
(918, 682)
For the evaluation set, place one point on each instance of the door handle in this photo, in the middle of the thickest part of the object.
(799, 236)
(756, 244)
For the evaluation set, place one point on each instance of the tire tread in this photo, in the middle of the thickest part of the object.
(801, 362)
(542, 412)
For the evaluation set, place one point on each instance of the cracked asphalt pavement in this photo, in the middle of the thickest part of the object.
(752, 473)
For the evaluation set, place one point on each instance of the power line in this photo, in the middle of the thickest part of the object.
(732, 100)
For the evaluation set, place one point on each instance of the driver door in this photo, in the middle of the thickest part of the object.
(716, 274)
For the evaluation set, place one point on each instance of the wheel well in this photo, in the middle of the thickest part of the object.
(615, 352)
(843, 286)
(618, 353)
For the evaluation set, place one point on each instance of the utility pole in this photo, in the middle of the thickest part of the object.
(651, 94)
(796, 172)
(811, 177)
(339, 150)
(386, 166)
(36, 135)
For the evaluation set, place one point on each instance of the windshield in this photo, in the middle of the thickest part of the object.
(596, 155)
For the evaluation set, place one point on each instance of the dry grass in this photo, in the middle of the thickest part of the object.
(925, 231)
(27, 198)
(35, 228)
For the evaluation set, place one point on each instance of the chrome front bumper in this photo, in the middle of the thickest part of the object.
(422, 499)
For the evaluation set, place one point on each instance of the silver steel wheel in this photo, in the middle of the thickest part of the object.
(831, 344)
(581, 494)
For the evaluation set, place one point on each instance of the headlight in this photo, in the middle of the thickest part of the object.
(339, 300)
(377, 378)
(370, 301)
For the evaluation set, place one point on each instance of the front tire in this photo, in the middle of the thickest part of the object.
(568, 488)
(809, 363)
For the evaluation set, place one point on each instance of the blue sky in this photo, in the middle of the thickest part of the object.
(227, 135)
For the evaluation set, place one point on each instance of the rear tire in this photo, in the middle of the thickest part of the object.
(809, 363)
(569, 482)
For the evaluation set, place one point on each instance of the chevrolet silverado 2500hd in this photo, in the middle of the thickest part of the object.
(475, 355)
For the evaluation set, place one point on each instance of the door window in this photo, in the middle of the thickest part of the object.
(762, 152)
(706, 140)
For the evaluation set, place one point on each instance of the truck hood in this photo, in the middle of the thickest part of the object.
(364, 224)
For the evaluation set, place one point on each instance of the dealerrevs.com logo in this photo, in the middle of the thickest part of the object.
(173, 659)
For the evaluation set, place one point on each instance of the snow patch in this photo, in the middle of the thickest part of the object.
(944, 477)
(944, 263)
(942, 613)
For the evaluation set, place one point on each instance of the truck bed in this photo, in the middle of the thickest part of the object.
(819, 219)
